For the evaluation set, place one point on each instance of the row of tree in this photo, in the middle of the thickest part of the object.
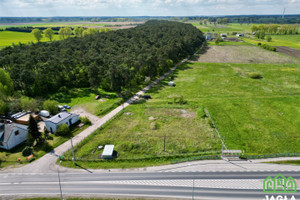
(276, 29)
(66, 32)
(112, 60)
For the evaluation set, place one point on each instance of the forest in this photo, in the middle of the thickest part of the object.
(112, 60)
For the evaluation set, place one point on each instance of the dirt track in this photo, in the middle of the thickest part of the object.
(289, 51)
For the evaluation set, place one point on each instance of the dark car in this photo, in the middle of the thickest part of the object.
(67, 107)
(147, 97)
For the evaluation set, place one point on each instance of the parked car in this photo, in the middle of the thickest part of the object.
(97, 97)
(67, 107)
(61, 108)
(147, 97)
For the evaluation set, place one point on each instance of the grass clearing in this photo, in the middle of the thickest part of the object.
(292, 41)
(139, 133)
(255, 115)
(286, 162)
(228, 28)
(258, 116)
(7, 38)
(242, 54)
(85, 98)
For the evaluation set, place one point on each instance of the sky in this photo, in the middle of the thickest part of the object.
(49, 8)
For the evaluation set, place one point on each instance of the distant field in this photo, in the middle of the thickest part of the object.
(292, 41)
(242, 54)
(69, 24)
(232, 27)
(9, 37)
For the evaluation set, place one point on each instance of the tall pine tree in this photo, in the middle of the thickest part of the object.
(33, 129)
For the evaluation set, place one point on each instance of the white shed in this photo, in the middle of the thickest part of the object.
(12, 134)
(171, 83)
(108, 151)
(61, 118)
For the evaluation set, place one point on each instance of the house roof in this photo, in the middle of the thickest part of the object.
(8, 130)
(59, 117)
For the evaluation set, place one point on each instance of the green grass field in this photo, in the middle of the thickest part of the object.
(287, 162)
(292, 41)
(255, 115)
(85, 98)
(7, 38)
(231, 27)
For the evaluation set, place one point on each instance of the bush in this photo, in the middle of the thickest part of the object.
(210, 122)
(259, 44)
(63, 130)
(201, 113)
(269, 38)
(51, 106)
(268, 47)
(85, 120)
(179, 100)
(255, 75)
(27, 151)
(233, 33)
(218, 40)
(260, 35)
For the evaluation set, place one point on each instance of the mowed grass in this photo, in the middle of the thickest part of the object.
(139, 132)
(85, 98)
(258, 116)
(220, 28)
(255, 115)
(292, 41)
(287, 162)
(7, 38)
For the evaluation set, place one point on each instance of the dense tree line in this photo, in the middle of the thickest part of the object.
(28, 29)
(112, 60)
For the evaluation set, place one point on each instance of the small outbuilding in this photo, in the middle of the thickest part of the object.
(240, 35)
(209, 36)
(108, 151)
(61, 118)
(12, 134)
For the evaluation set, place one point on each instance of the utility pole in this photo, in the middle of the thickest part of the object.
(61, 196)
(73, 155)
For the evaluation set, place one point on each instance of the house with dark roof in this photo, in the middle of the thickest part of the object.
(12, 134)
(61, 118)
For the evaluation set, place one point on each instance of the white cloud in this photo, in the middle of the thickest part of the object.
(145, 7)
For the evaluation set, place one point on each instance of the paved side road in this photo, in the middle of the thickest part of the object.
(47, 162)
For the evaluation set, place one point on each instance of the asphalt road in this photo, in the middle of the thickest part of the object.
(162, 184)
